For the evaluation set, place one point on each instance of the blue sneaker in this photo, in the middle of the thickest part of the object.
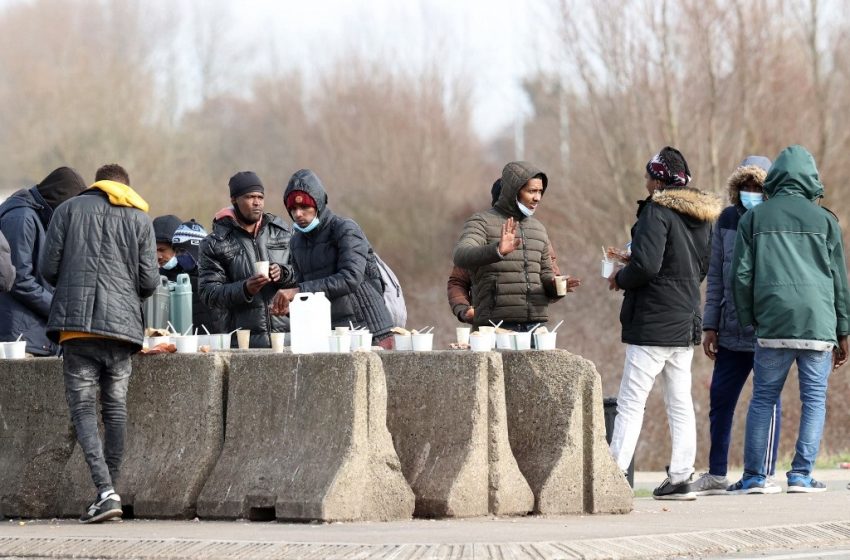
(804, 484)
(753, 485)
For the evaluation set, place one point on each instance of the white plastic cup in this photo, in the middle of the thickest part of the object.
(243, 339)
(503, 341)
(561, 285)
(545, 341)
(463, 335)
(342, 330)
(607, 268)
(186, 344)
(423, 342)
(278, 342)
(156, 340)
(521, 340)
(204, 340)
(480, 342)
(340, 343)
(262, 267)
(2, 350)
(16, 350)
(491, 331)
(403, 342)
(361, 340)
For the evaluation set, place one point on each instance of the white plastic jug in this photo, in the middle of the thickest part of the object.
(310, 323)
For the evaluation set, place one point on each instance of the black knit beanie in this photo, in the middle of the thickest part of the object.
(62, 184)
(165, 226)
(245, 182)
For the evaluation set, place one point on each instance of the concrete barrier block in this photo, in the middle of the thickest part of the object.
(306, 439)
(175, 424)
(557, 433)
(36, 437)
(447, 418)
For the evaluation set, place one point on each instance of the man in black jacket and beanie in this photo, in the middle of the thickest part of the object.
(242, 235)
(101, 257)
(671, 244)
(24, 218)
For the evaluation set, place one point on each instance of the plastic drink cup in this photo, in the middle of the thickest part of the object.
(463, 335)
(503, 341)
(361, 340)
(16, 350)
(186, 344)
(278, 341)
(561, 285)
(545, 341)
(479, 342)
(522, 341)
(341, 330)
(2, 350)
(607, 268)
(403, 342)
(243, 339)
(491, 331)
(340, 343)
(262, 267)
(423, 342)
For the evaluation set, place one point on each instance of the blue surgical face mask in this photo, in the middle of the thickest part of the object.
(751, 199)
(186, 261)
(310, 227)
(172, 262)
(526, 211)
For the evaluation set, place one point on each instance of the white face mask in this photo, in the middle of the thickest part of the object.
(526, 211)
(172, 262)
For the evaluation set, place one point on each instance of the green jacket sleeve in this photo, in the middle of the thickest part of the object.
(742, 271)
(838, 268)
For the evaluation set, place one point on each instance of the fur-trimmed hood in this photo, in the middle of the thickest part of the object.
(742, 176)
(693, 203)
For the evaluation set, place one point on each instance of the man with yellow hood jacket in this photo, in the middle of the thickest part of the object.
(100, 255)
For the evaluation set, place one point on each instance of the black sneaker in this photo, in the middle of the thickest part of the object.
(102, 509)
(670, 491)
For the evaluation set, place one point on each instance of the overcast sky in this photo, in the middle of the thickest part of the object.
(489, 42)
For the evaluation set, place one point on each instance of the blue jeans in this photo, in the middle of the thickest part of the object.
(731, 370)
(89, 364)
(769, 374)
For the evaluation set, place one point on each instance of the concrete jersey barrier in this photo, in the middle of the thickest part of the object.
(557, 433)
(36, 436)
(446, 414)
(306, 439)
(175, 405)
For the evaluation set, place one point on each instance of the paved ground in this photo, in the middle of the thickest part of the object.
(711, 527)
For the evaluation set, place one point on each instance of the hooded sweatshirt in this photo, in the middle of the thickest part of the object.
(789, 277)
(516, 287)
(671, 242)
(337, 259)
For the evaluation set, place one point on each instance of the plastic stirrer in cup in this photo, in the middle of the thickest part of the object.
(497, 325)
(205, 329)
(170, 326)
(19, 337)
(187, 331)
(558, 325)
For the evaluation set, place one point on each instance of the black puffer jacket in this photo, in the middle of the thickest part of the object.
(23, 219)
(227, 260)
(671, 244)
(337, 259)
(101, 257)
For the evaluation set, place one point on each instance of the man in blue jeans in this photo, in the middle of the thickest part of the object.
(789, 280)
(100, 254)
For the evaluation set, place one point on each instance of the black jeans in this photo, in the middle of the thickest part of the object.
(89, 364)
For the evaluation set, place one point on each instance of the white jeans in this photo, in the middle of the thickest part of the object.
(643, 364)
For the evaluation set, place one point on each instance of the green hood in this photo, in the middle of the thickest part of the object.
(794, 173)
(514, 176)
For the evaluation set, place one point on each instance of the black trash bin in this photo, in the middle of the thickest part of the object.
(610, 406)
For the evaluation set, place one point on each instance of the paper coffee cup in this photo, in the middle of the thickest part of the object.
(243, 339)
(561, 285)
(607, 268)
(261, 267)
(278, 341)
(463, 335)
